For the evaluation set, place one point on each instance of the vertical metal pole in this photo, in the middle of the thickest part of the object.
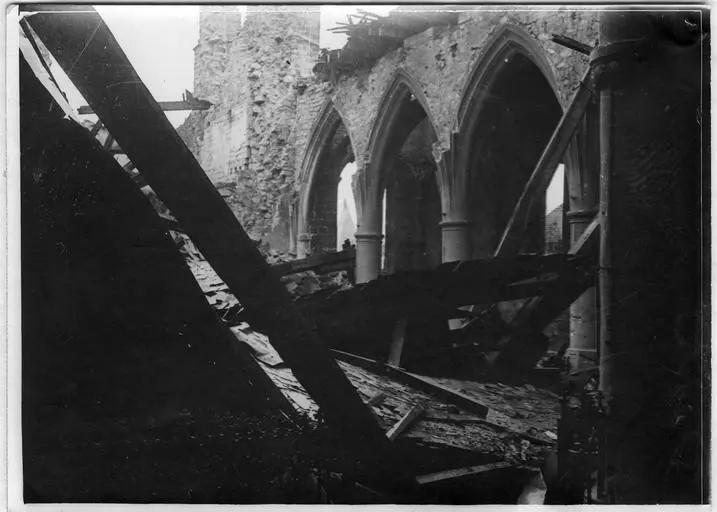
(605, 277)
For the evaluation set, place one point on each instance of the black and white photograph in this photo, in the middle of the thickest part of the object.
(446, 254)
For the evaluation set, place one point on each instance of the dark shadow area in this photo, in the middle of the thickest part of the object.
(512, 126)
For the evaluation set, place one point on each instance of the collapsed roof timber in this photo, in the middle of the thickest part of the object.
(422, 348)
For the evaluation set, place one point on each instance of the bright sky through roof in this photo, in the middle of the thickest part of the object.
(159, 40)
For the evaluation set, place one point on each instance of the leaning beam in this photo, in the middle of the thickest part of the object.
(86, 49)
(537, 185)
(164, 105)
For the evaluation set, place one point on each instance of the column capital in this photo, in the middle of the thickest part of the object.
(455, 223)
(582, 215)
(368, 236)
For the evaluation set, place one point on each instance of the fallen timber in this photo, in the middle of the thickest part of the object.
(189, 102)
(320, 263)
(362, 319)
(78, 39)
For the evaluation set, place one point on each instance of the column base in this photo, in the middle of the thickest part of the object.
(581, 358)
(455, 240)
(368, 256)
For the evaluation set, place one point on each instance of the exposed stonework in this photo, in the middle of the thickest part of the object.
(256, 75)
(440, 62)
(258, 138)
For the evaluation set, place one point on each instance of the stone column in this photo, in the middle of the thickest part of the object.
(368, 256)
(582, 351)
(453, 187)
(303, 246)
(582, 169)
(369, 212)
(651, 131)
(456, 244)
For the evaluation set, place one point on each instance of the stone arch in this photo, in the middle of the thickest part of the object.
(401, 84)
(506, 42)
(329, 149)
(508, 111)
(400, 164)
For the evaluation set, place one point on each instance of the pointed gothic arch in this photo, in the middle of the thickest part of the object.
(401, 166)
(328, 151)
(507, 113)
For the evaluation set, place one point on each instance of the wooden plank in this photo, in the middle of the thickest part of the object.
(419, 382)
(444, 392)
(376, 399)
(78, 39)
(164, 105)
(539, 180)
(464, 418)
(404, 422)
(587, 238)
(450, 474)
(96, 128)
(341, 260)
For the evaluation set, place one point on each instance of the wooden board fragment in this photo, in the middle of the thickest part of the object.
(404, 422)
(461, 472)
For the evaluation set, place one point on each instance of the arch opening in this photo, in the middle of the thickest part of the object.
(412, 208)
(508, 131)
(329, 217)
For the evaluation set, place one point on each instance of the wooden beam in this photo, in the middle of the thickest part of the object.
(96, 128)
(539, 180)
(404, 422)
(419, 382)
(437, 292)
(79, 39)
(164, 105)
(450, 474)
(571, 43)
(538, 312)
(587, 239)
(342, 260)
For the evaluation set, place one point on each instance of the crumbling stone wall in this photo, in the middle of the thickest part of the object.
(255, 73)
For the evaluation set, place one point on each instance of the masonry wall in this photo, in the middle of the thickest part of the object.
(266, 100)
(440, 61)
(255, 73)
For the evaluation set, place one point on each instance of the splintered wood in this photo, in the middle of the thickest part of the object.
(514, 429)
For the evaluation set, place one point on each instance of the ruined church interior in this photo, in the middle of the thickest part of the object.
(460, 258)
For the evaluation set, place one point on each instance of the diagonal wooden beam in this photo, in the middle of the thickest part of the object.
(538, 312)
(96, 128)
(164, 105)
(79, 40)
(539, 180)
